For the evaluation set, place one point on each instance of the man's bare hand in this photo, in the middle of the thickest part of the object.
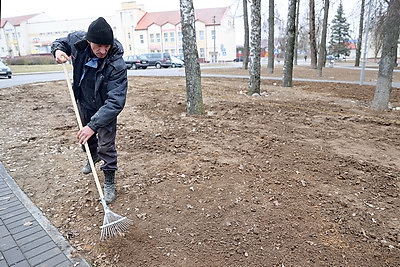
(84, 134)
(61, 57)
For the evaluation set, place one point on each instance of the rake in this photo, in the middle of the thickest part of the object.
(113, 223)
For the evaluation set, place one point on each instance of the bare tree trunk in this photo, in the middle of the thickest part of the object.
(322, 47)
(360, 34)
(313, 40)
(389, 53)
(246, 36)
(271, 37)
(194, 98)
(290, 40)
(377, 29)
(297, 33)
(255, 48)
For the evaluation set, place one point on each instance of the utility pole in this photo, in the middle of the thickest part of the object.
(215, 38)
(362, 74)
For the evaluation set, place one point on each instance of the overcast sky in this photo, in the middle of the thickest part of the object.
(70, 9)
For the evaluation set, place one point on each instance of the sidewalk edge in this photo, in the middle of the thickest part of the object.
(52, 231)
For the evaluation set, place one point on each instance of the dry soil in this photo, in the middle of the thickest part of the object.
(300, 176)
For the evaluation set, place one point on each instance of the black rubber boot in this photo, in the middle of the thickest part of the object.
(109, 186)
(87, 169)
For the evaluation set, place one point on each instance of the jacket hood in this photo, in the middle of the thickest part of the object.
(115, 52)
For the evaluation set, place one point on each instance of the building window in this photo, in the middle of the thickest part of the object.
(130, 47)
(165, 37)
(141, 39)
(213, 34)
(180, 36)
(180, 51)
(201, 35)
(158, 38)
(173, 51)
(172, 36)
(202, 53)
(129, 35)
(151, 38)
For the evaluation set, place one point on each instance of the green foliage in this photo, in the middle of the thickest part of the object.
(31, 60)
(339, 34)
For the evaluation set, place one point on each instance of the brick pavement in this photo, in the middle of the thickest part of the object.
(27, 238)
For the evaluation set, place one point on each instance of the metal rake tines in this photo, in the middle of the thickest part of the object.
(114, 224)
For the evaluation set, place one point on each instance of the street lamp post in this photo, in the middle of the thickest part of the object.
(215, 38)
(362, 73)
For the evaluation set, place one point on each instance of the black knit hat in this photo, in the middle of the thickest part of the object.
(100, 32)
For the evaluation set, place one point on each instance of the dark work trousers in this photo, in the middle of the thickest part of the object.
(102, 142)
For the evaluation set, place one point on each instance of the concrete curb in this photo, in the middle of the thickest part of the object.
(51, 230)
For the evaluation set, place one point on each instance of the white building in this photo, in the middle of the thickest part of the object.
(138, 31)
(161, 32)
(33, 34)
(14, 34)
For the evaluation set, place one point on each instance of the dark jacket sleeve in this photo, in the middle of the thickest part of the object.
(66, 44)
(117, 85)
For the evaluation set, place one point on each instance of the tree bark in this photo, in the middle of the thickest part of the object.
(255, 48)
(322, 47)
(271, 37)
(287, 80)
(194, 98)
(389, 53)
(296, 44)
(246, 36)
(313, 41)
(360, 34)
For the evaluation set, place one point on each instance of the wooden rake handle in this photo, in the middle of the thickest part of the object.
(78, 118)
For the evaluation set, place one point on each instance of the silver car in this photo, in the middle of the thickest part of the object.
(5, 71)
(176, 62)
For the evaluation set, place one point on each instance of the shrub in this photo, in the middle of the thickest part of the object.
(31, 60)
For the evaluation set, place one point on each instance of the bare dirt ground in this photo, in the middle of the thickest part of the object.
(301, 176)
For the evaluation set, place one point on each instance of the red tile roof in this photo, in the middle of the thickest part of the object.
(16, 21)
(351, 45)
(205, 15)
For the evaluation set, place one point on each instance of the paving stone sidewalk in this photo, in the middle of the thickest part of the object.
(27, 238)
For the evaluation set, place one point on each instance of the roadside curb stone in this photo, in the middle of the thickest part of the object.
(27, 238)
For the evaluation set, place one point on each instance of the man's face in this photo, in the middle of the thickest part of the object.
(99, 50)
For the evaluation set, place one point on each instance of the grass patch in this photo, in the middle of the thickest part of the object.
(37, 68)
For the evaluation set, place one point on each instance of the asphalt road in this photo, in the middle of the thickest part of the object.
(20, 79)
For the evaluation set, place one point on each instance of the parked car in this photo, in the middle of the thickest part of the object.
(5, 71)
(159, 60)
(330, 57)
(238, 59)
(181, 57)
(136, 62)
(176, 62)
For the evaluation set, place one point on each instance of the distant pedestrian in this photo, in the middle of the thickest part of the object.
(305, 58)
(100, 86)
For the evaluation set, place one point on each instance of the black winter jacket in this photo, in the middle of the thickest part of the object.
(110, 82)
